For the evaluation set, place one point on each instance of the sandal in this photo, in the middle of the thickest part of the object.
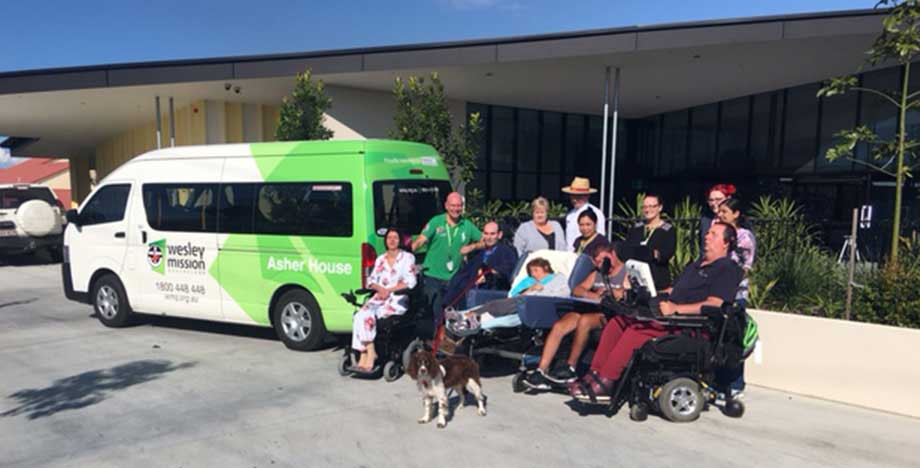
(592, 389)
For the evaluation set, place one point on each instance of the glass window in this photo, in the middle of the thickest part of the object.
(799, 135)
(528, 140)
(550, 186)
(551, 140)
(877, 113)
(502, 136)
(703, 137)
(526, 187)
(501, 188)
(733, 135)
(11, 198)
(837, 113)
(181, 207)
(304, 209)
(592, 162)
(107, 205)
(408, 204)
(674, 142)
(574, 144)
(236, 208)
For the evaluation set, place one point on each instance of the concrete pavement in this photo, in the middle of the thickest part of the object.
(186, 393)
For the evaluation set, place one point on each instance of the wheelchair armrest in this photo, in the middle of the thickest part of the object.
(364, 291)
(401, 292)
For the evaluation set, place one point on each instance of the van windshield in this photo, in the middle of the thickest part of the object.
(408, 204)
(11, 198)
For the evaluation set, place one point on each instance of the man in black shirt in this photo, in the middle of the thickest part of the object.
(709, 281)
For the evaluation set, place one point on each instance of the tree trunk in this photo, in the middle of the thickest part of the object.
(899, 175)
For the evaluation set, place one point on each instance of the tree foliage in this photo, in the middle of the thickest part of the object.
(899, 42)
(302, 113)
(422, 115)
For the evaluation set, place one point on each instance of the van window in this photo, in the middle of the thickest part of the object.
(181, 207)
(236, 208)
(304, 209)
(408, 204)
(107, 205)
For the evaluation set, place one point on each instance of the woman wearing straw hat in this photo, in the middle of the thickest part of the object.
(579, 191)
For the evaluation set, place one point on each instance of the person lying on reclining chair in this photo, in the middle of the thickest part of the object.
(593, 287)
(709, 281)
(541, 281)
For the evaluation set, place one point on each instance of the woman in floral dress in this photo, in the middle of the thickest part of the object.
(394, 270)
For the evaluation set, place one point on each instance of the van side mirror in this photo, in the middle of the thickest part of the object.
(73, 217)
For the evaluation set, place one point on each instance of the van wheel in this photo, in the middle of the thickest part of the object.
(111, 303)
(298, 321)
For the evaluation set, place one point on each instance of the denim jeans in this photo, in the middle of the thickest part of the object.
(434, 290)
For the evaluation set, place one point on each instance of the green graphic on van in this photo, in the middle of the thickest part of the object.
(156, 256)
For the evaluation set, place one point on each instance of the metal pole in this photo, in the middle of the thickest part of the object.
(159, 125)
(172, 123)
(852, 266)
(613, 144)
(604, 141)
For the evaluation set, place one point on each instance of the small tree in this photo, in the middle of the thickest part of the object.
(303, 111)
(422, 116)
(899, 43)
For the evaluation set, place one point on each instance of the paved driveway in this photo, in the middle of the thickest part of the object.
(188, 393)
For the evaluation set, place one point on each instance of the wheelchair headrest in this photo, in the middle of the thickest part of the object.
(561, 261)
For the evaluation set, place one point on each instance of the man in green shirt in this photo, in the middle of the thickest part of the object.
(446, 234)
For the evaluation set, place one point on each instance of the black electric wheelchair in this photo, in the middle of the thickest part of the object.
(674, 375)
(398, 336)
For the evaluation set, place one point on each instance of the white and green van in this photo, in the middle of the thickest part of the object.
(265, 234)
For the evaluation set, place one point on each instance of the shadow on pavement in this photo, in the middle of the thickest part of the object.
(220, 328)
(18, 302)
(87, 389)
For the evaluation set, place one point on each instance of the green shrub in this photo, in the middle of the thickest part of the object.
(890, 295)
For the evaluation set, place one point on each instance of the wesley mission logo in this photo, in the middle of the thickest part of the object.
(180, 258)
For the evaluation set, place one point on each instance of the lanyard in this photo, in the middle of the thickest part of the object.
(649, 236)
(449, 234)
(584, 243)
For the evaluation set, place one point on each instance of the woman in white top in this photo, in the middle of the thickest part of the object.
(540, 232)
(394, 270)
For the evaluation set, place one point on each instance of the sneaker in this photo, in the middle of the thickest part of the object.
(537, 380)
(738, 395)
(563, 375)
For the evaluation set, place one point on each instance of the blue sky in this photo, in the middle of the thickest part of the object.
(49, 34)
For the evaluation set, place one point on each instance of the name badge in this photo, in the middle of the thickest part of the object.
(450, 265)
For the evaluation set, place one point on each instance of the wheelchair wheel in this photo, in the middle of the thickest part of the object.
(344, 364)
(638, 412)
(680, 400)
(392, 371)
(517, 383)
(734, 409)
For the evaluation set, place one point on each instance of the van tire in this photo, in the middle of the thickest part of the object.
(298, 321)
(111, 303)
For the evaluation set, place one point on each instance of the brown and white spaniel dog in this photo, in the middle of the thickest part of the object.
(434, 379)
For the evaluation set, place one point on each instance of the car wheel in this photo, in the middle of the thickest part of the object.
(680, 400)
(111, 303)
(298, 321)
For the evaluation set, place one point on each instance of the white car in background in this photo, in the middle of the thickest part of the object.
(31, 221)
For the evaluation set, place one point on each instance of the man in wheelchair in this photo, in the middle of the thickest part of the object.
(710, 281)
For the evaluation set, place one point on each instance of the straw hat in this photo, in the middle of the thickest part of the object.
(579, 186)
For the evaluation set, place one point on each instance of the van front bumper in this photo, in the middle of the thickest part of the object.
(69, 293)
